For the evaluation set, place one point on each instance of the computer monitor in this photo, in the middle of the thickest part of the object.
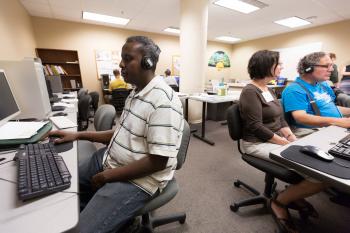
(8, 105)
(56, 83)
(29, 87)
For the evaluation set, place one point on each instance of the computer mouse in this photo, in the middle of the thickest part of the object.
(316, 153)
(60, 114)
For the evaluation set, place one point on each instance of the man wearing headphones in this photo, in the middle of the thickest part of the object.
(311, 101)
(117, 181)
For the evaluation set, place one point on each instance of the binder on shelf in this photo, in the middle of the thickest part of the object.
(73, 83)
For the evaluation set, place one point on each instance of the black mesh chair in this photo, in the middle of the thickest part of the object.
(175, 88)
(149, 222)
(271, 169)
(95, 97)
(83, 112)
(119, 96)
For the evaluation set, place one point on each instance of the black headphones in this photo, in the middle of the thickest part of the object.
(309, 69)
(147, 62)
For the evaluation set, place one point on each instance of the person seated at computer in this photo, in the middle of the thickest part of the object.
(169, 79)
(310, 101)
(141, 156)
(117, 82)
(345, 81)
(265, 129)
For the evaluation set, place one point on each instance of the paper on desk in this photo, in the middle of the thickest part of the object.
(64, 105)
(68, 95)
(20, 130)
(69, 100)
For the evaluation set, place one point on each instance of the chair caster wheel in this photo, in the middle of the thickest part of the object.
(236, 184)
(182, 220)
(234, 208)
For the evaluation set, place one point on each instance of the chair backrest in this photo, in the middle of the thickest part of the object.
(83, 107)
(104, 117)
(94, 99)
(119, 96)
(185, 141)
(175, 88)
(82, 92)
(234, 122)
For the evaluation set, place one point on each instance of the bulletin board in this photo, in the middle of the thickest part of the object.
(107, 61)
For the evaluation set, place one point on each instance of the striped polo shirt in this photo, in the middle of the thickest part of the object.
(151, 123)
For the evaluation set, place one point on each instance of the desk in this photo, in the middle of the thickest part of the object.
(324, 139)
(214, 99)
(57, 212)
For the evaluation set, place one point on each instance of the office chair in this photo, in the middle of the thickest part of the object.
(104, 117)
(94, 102)
(103, 120)
(271, 169)
(119, 96)
(175, 88)
(83, 112)
(149, 222)
(82, 92)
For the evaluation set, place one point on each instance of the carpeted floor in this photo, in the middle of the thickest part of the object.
(206, 192)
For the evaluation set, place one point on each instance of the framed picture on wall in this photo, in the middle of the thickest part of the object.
(175, 68)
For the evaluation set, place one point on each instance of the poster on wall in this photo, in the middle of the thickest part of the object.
(107, 61)
(175, 68)
(219, 57)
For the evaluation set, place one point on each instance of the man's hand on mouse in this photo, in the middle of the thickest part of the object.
(63, 136)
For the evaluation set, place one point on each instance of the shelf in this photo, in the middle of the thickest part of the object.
(60, 63)
(70, 75)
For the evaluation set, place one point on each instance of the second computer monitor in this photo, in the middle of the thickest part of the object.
(8, 105)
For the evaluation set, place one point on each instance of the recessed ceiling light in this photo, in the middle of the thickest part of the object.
(292, 22)
(172, 30)
(104, 18)
(228, 38)
(237, 5)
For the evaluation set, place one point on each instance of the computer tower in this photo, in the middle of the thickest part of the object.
(28, 81)
(105, 81)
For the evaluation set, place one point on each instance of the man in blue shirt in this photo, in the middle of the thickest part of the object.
(298, 97)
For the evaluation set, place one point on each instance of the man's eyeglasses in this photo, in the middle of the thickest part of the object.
(328, 66)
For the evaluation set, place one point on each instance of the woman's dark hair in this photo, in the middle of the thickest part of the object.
(261, 64)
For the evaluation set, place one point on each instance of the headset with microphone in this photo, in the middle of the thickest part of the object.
(147, 62)
(309, 69)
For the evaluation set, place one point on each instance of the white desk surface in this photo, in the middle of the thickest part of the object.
(214, 99)
(324, 139)
(53, 213)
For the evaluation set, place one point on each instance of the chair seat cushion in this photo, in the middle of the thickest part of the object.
(168, 193)
(278, 171)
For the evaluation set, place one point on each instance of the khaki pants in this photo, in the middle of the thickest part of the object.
(262, 149)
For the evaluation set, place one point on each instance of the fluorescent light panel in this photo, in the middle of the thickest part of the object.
(237, 6)
(172, 30)
(105, 18)
(292, 22)
(227, 38)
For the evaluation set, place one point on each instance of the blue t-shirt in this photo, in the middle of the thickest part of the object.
(294, 98)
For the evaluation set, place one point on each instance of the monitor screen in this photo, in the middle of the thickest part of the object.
(8, 105)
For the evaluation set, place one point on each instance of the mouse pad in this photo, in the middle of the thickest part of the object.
(63, 147)
(338, 167)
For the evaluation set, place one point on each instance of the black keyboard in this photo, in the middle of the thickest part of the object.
(342, 149)
(41, 171)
